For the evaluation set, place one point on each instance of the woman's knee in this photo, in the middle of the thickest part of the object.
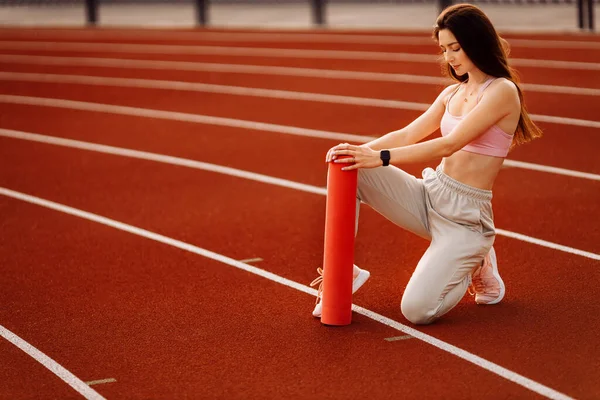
(417, 310)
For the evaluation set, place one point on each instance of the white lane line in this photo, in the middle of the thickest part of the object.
(543, 243)
(210, 88)
(550, 393)
(269, 70)
(556, 64)
(463, 354)
(251, 260)
(101, 381)
(534, 87)
(551, 170)
(241, 124)
(565, 121)
(282, 36)
(217, 67)
(49, 363)
(143, 155)
(255, 92)
(553, 44)
(177, 116)
(270, 52)
(397, 338)
(278, 36)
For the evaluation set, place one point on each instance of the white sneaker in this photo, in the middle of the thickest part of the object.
(361, 278)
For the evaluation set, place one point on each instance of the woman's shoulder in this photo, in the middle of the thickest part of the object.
(504, 98)
(448, 90)
(504, 92)
(504, 88)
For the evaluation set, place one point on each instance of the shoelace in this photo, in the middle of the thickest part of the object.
(318, 281)
(477, 284)
(471, 288)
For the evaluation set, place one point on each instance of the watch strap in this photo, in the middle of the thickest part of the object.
(385, 157)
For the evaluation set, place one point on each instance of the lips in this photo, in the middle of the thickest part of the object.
(456, 66)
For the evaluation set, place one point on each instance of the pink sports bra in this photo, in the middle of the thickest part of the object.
(493, 142)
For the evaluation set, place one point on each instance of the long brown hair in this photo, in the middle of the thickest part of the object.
(488, 51)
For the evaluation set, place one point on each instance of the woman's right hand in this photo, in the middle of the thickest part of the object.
(330, 156)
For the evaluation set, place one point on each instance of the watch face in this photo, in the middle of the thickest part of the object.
(385, 157)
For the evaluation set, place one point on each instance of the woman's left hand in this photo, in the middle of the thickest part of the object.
(360, 156)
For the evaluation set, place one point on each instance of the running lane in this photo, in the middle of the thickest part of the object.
(519, 194)
(417, 44)
(174, 201)
(164, 322)
(586, 77)
(579, 106)
(563, 146)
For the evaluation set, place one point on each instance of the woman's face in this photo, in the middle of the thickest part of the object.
(453, 53)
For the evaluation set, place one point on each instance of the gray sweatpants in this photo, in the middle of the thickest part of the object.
(455, 217)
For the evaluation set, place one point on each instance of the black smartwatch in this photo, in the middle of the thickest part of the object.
(385, 157)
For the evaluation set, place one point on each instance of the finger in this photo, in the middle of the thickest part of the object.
(332, 156)
(345, 160)
(328, 155)
(351, 167)
(343, 152)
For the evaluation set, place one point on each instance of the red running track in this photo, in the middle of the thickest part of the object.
(168, 323)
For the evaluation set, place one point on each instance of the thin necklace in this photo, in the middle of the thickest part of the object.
(467, 95)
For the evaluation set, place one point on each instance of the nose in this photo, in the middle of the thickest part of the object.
(449, 58)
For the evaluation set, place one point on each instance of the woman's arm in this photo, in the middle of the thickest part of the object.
(499, 102)
(423, 126)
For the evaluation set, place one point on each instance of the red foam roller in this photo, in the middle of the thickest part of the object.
(338, 257)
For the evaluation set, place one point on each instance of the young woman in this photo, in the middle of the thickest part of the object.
(480, 118)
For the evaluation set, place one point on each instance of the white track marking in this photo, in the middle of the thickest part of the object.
(396, 338)
(215, 50)
(534, 87)
(209, 88)
(226, 68)
(178, 116)
(551, 170)
(483, 363)
(545, 243)
(101, 381)
(144, 155)
(255, 92)
(557, 64)
(49, 363)
(565, 121)
(269, 70)
(463, 354)
(552, 44)
(270, 52)
(282, 36)
(251, 260)
(241, 124)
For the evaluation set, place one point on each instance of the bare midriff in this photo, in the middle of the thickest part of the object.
(473, 169)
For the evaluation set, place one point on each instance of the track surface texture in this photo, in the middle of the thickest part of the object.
(162, 201)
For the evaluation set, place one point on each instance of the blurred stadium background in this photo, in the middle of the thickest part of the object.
(515, 15)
